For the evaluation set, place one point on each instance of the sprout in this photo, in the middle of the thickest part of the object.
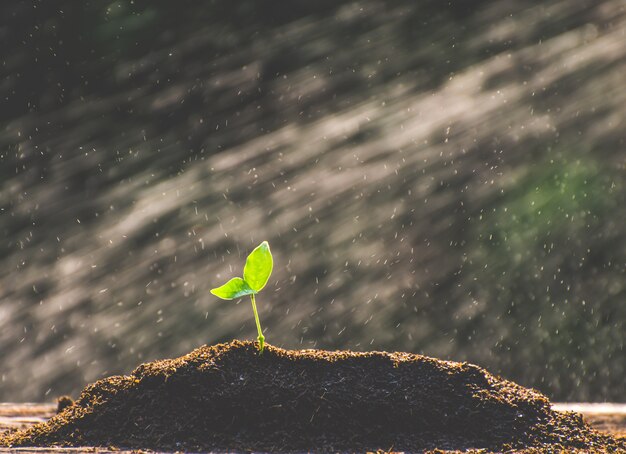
(256, 272)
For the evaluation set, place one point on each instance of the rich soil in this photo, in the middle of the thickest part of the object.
(230, 397)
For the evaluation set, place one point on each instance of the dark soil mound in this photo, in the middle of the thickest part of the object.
(229, 397)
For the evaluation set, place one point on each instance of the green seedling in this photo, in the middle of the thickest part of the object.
(256, 272)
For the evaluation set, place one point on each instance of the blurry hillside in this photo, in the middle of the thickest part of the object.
(447, 180)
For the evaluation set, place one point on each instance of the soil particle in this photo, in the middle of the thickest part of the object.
(230, 397)
(63, 402)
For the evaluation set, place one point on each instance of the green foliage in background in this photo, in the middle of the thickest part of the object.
(451, 183)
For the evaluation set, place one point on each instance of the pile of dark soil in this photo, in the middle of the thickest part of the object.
(229, 397)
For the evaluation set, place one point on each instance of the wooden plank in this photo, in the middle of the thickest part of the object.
(28, 409)
(606, 417)
(602, 408)
(17, 416)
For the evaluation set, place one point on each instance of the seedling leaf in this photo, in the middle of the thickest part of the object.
(235, 288)
(258, 267)
(256, 272)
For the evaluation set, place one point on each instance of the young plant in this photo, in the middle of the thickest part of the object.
(256, 272)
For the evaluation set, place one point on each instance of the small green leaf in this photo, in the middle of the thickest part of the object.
(258, 267)
(234, 288)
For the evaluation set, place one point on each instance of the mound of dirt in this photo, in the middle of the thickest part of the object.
(230, 397)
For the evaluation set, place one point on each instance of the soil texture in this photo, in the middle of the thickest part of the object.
(230, 397)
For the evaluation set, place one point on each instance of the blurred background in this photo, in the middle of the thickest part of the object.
(445, 178)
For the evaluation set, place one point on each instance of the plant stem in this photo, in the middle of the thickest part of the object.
(258, 324)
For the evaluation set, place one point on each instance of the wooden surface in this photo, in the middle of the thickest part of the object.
(606, 417)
